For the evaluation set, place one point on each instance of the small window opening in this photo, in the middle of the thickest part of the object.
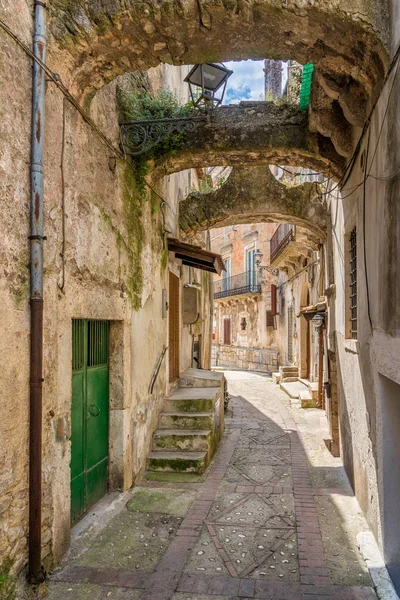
(353, 284)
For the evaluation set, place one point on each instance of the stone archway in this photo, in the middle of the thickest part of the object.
(253, 195)
(255, 133)
(345, 40)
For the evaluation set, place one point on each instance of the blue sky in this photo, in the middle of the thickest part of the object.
(247, 81)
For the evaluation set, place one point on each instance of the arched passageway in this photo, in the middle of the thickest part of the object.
(346, 41)
(253, 195)
(254, 133)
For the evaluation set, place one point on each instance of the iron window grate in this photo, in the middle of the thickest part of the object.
(353, 284)
(98, 343)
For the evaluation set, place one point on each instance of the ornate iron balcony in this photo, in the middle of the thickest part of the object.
(280, 240)
(244, 283)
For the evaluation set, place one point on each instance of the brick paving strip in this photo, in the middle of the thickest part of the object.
(163, 583)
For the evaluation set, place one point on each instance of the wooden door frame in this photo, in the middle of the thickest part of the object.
(174, 329)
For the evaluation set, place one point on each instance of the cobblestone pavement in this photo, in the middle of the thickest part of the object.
(273, 518)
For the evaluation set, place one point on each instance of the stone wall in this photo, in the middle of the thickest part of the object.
(264, 360)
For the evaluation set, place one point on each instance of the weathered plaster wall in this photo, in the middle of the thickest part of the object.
(104, 258)
(14, 339)
(374, 209)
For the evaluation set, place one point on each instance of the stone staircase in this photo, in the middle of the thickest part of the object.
(302, 390)
(286, 373)
(190, 425)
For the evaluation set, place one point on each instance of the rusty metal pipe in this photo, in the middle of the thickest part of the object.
(36, 573)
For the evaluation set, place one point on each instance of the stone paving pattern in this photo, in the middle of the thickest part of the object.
(253, 529)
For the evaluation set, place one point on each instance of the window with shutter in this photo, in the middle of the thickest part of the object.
(270, 319)
(227, 331)
(274, 306)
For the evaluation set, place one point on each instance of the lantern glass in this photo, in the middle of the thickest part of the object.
(204, 81)
(258, 256)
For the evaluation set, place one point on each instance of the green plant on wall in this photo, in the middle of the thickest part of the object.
(7, 584)
(134, 105)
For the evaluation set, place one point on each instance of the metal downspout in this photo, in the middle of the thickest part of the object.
(36, 573)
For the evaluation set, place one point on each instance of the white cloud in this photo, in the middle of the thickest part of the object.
(247, 81)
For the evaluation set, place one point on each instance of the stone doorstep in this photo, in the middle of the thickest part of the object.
(288, 369)
(181, 439)
(307, 400)
(293, 389)
(312, 386)
(183, 462)
(199, 378)
(276, 378)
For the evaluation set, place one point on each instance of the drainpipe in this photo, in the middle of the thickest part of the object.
(211, 300)
(36, 573)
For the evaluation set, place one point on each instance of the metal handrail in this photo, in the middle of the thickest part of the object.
(244, 283)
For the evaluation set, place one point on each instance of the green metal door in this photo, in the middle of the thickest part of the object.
(89, 415)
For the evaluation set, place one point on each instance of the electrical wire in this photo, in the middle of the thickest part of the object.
(364, 232)
(297, 274)
(55, 78)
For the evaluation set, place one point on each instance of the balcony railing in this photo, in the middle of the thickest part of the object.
(279, 241)
(244, 283)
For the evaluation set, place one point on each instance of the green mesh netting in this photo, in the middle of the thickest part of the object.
(306, 82)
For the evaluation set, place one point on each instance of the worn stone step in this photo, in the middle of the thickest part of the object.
(182, 439)
(200, 378)
(288, 369)
(193, 400)
(306, 400)
(183, 462)
(185, 420)
(276, 377)
(293, 389)
(312, 387)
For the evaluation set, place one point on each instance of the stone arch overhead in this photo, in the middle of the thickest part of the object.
(346, 40)
(253, 133)
(253, 195)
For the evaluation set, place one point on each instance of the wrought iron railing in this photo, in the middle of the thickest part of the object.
(244, 283)
(281, 238)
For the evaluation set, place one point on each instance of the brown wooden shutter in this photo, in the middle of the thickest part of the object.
(270, 319)
(227, 331)
(273, 300)
(173, 327)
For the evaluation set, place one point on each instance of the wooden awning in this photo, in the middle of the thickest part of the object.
(197, 257)
(309, 311)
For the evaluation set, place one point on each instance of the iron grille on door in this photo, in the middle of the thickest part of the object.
(353, 283)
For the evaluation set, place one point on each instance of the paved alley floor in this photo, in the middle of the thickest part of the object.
(274, 517)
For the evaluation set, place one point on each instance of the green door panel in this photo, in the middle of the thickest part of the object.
(89, 414)
(96, 482)
(77, 424)
(77, 497)
(96, 415)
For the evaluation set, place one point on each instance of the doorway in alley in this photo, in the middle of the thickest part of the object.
(89, 414)
(390, 394)
(173, 327)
